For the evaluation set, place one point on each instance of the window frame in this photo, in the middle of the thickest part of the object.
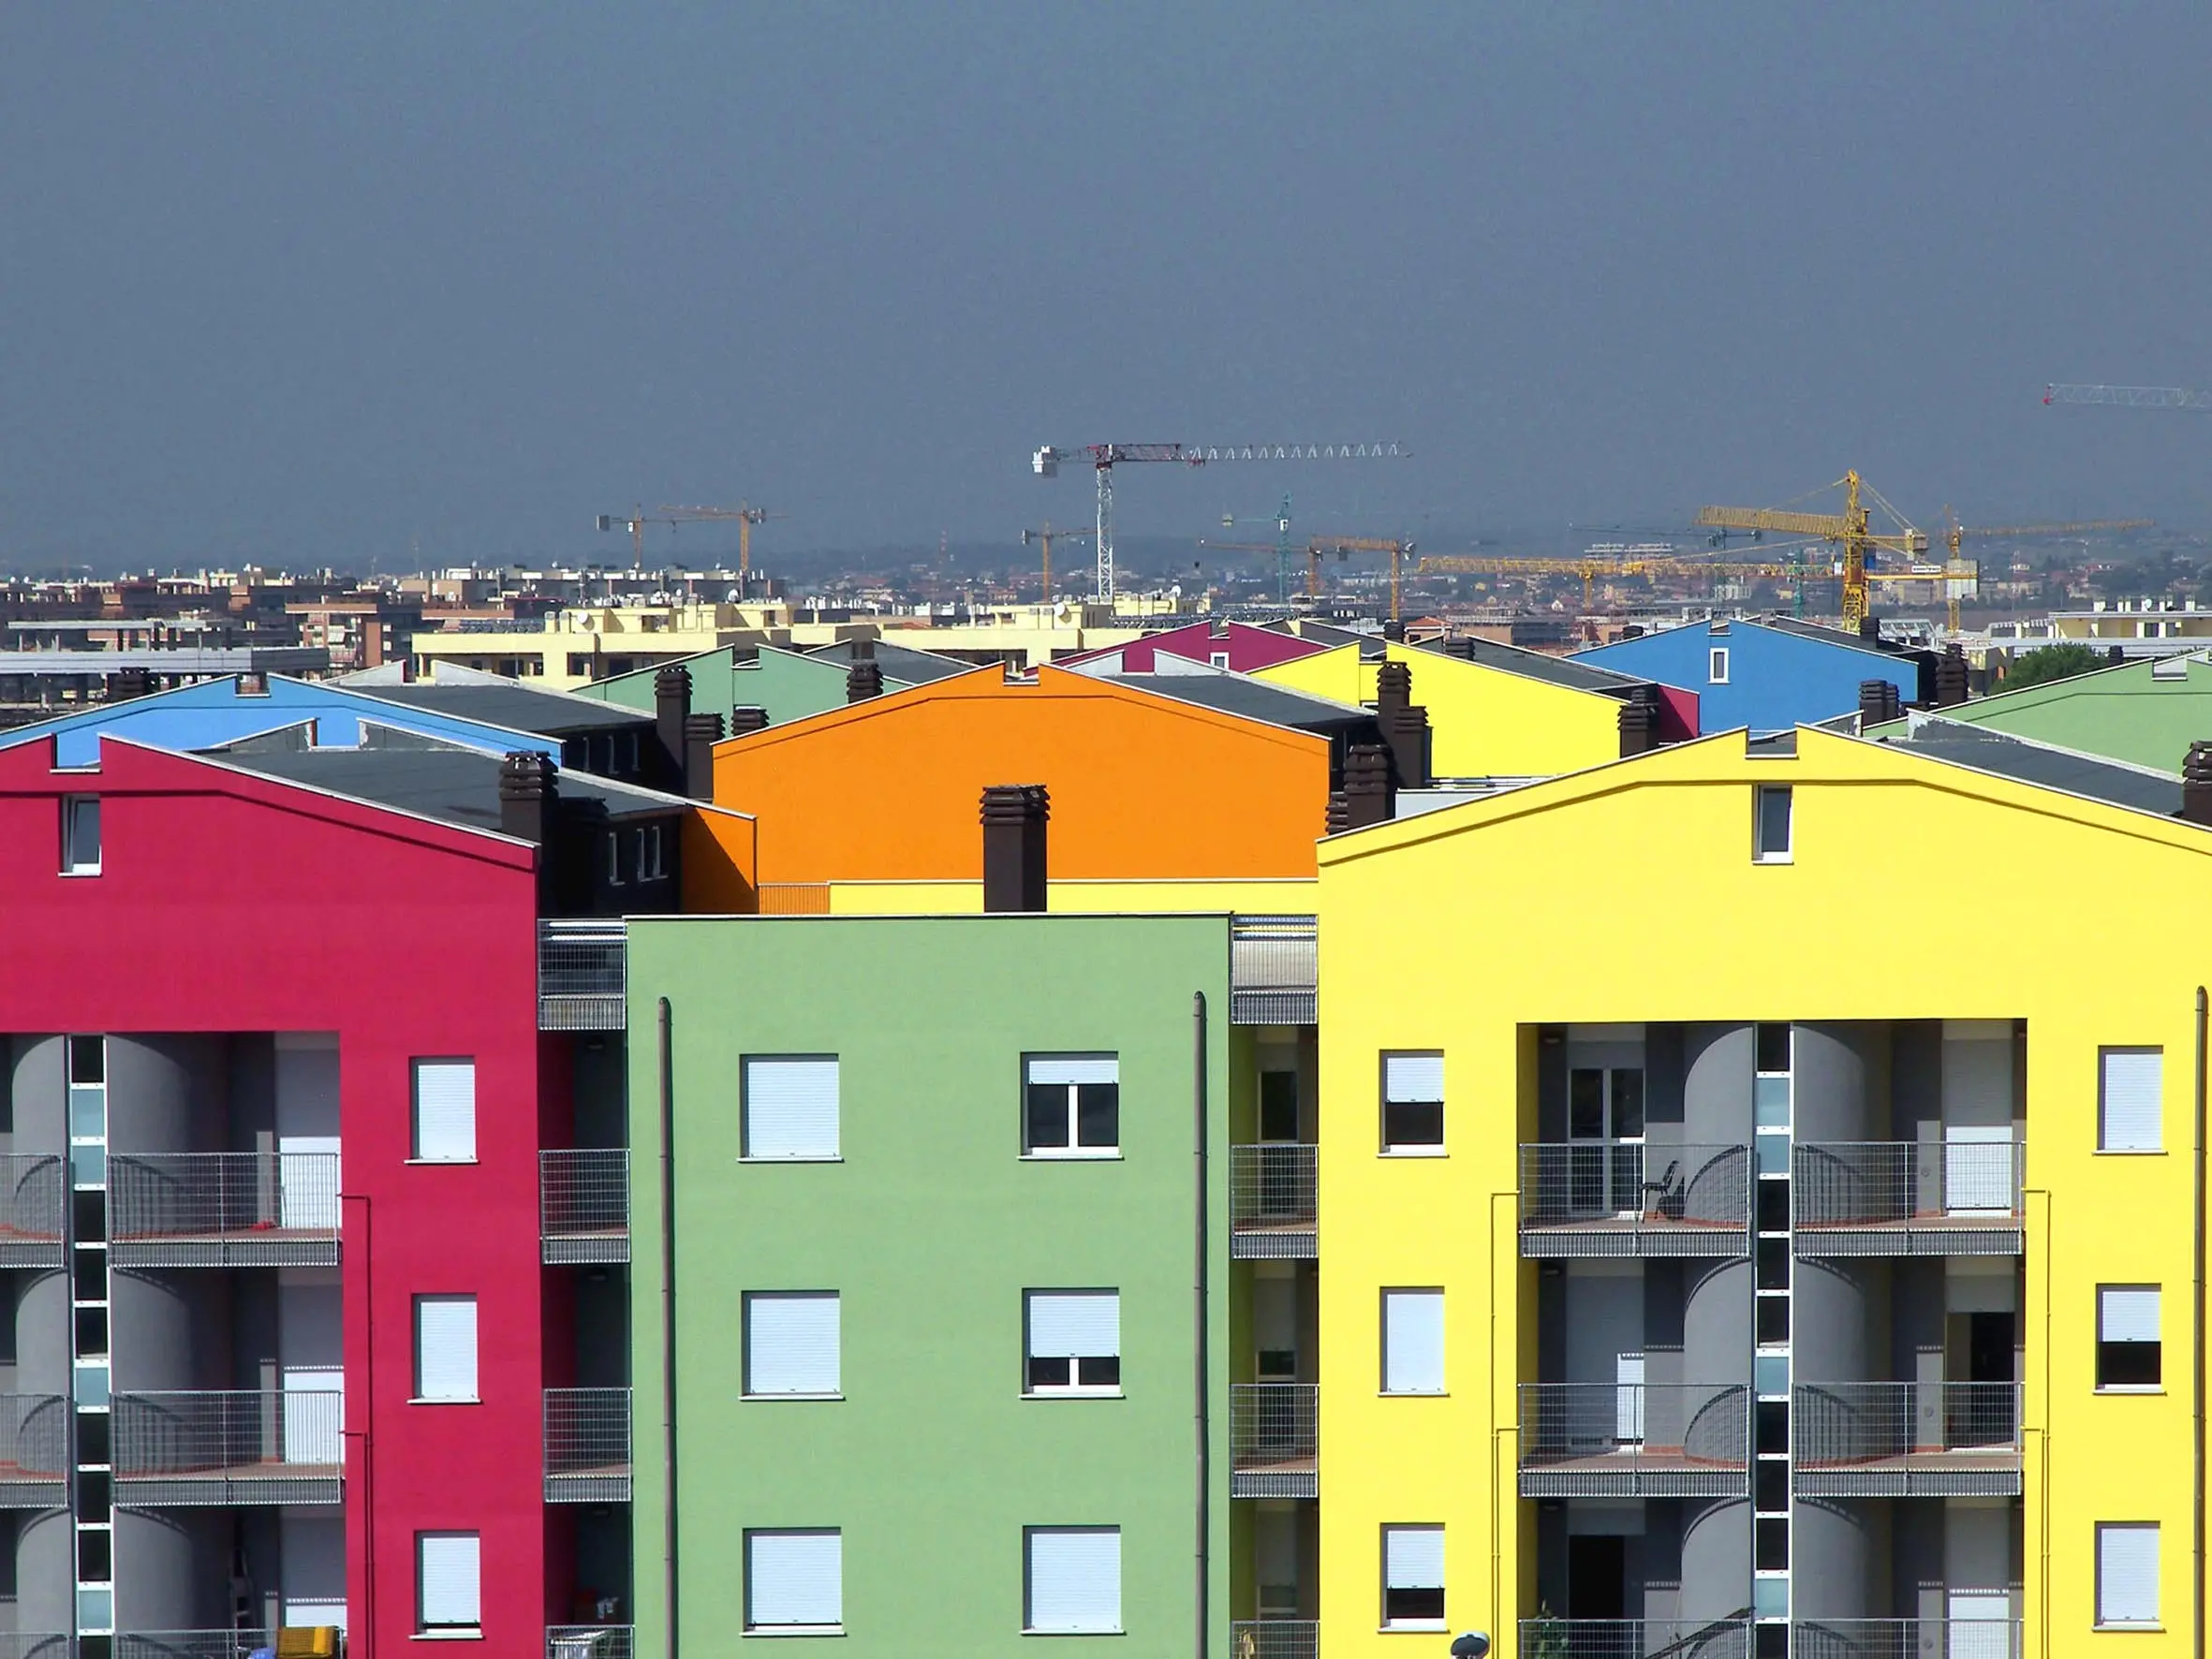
(1390, 1622)
(1435, 1294)
(1717, 664)
(747, 1623)
(1390, 1148)
(71, 863)
(1029, 1626)
(746, 1303)
(2105, 1052)
(1762, 853)
(415, 1066)
(2097, 1568)
(1073, 1151)
(415, 1394)
(2154, 1385)
(1075, 1387)
(454, 1631)
(745, 1137)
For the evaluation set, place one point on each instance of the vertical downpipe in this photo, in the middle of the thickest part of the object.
(2197, 1338)
(1198, 1348)
(668, 1320)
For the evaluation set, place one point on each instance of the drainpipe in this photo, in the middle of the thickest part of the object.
(668, 1321)
(1206, 1473)
(2197, 1339)
(358, 1242)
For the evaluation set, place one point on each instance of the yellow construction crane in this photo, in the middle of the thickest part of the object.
(1850, 528)
(1342, 545)
(1048, 536)
(744, 513)
(1591, 565)
(1960, 574)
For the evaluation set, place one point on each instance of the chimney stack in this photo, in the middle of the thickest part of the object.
(1870, 629)
(1638, 728)
(865, 679)
(701, 732)
(1395, 631)
(1014, 816)
(527, 793)
(125, 684)
(2196, 784)
(1877, 699)
(1951, 677)
(1404, 723)
(672, 706)
(747, 718)
(1368, 796)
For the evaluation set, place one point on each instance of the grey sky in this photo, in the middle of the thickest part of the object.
(302, 282)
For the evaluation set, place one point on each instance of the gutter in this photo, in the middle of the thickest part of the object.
(667, 1323)
(1205, 1462)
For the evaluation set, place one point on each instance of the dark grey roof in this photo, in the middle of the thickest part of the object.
(452, 784)
(1558, 671)
(1256, 699)
(519, 707)
(1322, 634)
(900, 662)
(2018, 758)
(1824, 634)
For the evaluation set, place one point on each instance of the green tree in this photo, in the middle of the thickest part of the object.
(2053, 662)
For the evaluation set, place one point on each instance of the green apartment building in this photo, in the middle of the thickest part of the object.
(951, 1209)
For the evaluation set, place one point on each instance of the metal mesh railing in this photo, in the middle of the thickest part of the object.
(1271, 1187)
(1635, 1639)
(1945, 1427)
(582, 983)
(1874, 1183)
(33, 1644)
(1654, 1438)
(1273, 1423)
(1274, 968)
(1627, 1187)
(34, 1444)
(191, 1644)
(1907, 1638)
(587, 1446)
(1275, 1638)
(583, 1204)
(589, 1641)
(224, 1209)
(225, 1445)
(30, 1209)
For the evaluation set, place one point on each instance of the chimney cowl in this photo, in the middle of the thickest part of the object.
(2196, 784)
(701, 732)
(1370, 794)
(863, 679)
(1014, 818)
(1639, 728)
(747, 718)
(1394, 687)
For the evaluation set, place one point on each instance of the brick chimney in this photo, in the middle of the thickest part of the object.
(1368, 796)
(1951, 677)
(1638, 728)
(527, 796)
(701, 732)
(672, 706)
(865, 679)
(1014, 816)
(125, 684)
(1404, 723)
(2196, 784)
(747, 718)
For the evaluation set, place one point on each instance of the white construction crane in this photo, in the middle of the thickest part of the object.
(1045, 463)
(2130, 397)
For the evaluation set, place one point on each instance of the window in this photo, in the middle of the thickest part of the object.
(2130, 1082)
(448, 1581)
(80, 835)
(1413, 1578)
(795, 1580)
(1717, 664)
(445, 1111)
(2128, 1336)
(614, 858)
(1071, 1104)
(650, 867)
(1073, 1342)
(1412, 1102)
(1218, 659)
(791, 1108)
(1770, 824)
(1413, 1342)
(793, 1343)
(445, 1348)
(1071, 1580)
(2127, 1573)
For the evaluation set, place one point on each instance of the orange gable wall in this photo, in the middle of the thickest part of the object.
(1143, 787)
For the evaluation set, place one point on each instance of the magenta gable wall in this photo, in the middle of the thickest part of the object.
(1248, 648)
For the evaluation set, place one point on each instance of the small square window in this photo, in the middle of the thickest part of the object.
(1072, 1344)
(1413, 1578)
(1413, 1102)
(1072, 1580)
(791, 1108)
(795, 1581)
(1071, 1105)
(2128, 1348)
(1770, 824)
(1717, 664)
(80, 835)
(793, 1345)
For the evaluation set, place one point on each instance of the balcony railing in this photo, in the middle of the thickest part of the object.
(1273, 1440)
(191, 1644)
(1635, 1440)
(583, 1204)
(31, 1211)
(1605, 1198)
(1273, 970)
(587, 1446)
(1906, 1639)
(582, 985)
(1635, 1639)
(1929, 1198)
(1275, 1638)
(33, 1453)
(589, 1641)
(1271, 1201)
(33, 1644)
(223, 1210)
(1901, 1440)
(230, 1447)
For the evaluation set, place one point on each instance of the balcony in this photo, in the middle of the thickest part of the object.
(1906, 1639)
(1273, 1440)
(1272, 1215)
(33, 1644)
(1627, 1199)
(33, 1453)
(1275, 1638)
(223, 1210)
(1906, 1440)
(1635, 1440)
(31, 1211)
(1929, 1198)
(589, 1641)
(191, 1644)
(583, 1204)
(1273, 970)
(582, 985)
(1635, 1639)
(587, 1446)
(230, 1447)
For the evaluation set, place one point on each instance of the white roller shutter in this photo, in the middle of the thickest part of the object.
(2128, 1574)
(1413, 1076)
(2127, 1313)
(1075, 1578)
(2130, 1116)
(448, 1579)
(1413, 1557)
(445, 1347)
(794, 1579)
(792, 1343)
(1074, 1325)
(791, 1108)
(445, 1111)
(1061, 1068)
(1413, 1342)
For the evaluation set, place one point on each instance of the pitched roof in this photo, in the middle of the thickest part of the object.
(511, 704)
(446, 782)
(1232, 693)
(1558, 671)
(900, 662)
(2026, 761)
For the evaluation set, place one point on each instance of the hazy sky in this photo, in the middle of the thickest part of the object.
(306, 282)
